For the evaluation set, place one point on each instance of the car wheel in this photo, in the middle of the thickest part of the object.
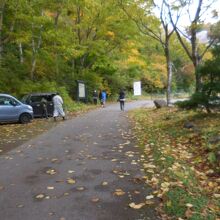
(25, 118)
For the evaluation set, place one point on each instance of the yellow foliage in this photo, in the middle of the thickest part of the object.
(154, 80)
(133, 56)
(49, 13)
(134, 51)
(208, 56)
(130, 43)
(135, 60)
(159, 67)
(158, 59)
(110, 34)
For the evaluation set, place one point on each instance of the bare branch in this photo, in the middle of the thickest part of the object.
(182, 33)
(197, 15)
(207, 48)
(161, 15)
(179, 36)
(148, 31)
(206, 8)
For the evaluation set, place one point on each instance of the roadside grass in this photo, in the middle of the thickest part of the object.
(177, 161)
(74, 108)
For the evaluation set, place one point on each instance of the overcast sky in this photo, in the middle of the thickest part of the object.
(207, 16)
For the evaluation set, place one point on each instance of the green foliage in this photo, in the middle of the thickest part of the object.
(50, 44)
(208, 94)
(44, 47)
(196, 100)
(212, 157)
(179, 198)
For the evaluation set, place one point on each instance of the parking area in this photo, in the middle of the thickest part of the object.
(14, 134)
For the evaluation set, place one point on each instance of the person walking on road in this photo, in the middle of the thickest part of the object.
(100, 96)
(103, 97)
(44, 108)
(58, 107)
(95, 97)
(122, 99)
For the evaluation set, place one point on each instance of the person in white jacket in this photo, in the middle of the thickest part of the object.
(58, 107)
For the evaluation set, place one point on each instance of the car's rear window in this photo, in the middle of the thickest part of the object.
(49, 98)
(36, 98)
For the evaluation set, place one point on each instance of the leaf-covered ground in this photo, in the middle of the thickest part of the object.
(181, 164)
(14, 134)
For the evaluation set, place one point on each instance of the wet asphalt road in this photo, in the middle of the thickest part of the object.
(98, 156)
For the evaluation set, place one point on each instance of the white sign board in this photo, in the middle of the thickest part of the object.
(82, 91)
(137, 88)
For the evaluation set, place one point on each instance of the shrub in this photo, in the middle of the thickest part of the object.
(208, 94)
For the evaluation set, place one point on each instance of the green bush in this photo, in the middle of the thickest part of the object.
(208, 94)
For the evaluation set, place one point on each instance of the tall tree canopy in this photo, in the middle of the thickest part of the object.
(47, 45)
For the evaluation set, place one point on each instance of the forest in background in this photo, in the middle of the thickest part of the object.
(47, 45)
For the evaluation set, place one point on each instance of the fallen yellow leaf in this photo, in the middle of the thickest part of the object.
(71, 181)
(71, 171)
(50, 187)
(149, 197)
(40, 196)
(81, 188)
(136, 206)
(95, 199)
(119, 192)
(217, 195)
(51, 171)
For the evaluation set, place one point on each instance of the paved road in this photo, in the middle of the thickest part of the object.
(72, 171)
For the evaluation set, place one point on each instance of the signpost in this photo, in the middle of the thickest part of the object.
(81, 91)
(137, 88)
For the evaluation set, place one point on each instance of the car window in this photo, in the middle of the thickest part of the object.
(36, 98)
(49, 98)
(4, 101)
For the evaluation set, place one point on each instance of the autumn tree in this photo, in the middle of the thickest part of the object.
(160, 29)
(194, 15)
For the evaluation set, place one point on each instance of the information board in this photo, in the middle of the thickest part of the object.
(82, 90)
(137, 88)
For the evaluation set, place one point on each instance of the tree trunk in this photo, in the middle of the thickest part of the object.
(35, 49)
(1, 31)
(33, 62)
(198, 80)
(55, 44)
(169, 71)
(21, 53)
(78, 21)
(33, 67)
(196, 62)
(195, 55)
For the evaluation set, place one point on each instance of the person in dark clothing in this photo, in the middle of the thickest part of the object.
(95, 97)
(100, 96)
(121, 99)
(44, 108)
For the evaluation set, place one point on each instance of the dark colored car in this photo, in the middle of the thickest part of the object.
(35, 100)
(12, 110)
